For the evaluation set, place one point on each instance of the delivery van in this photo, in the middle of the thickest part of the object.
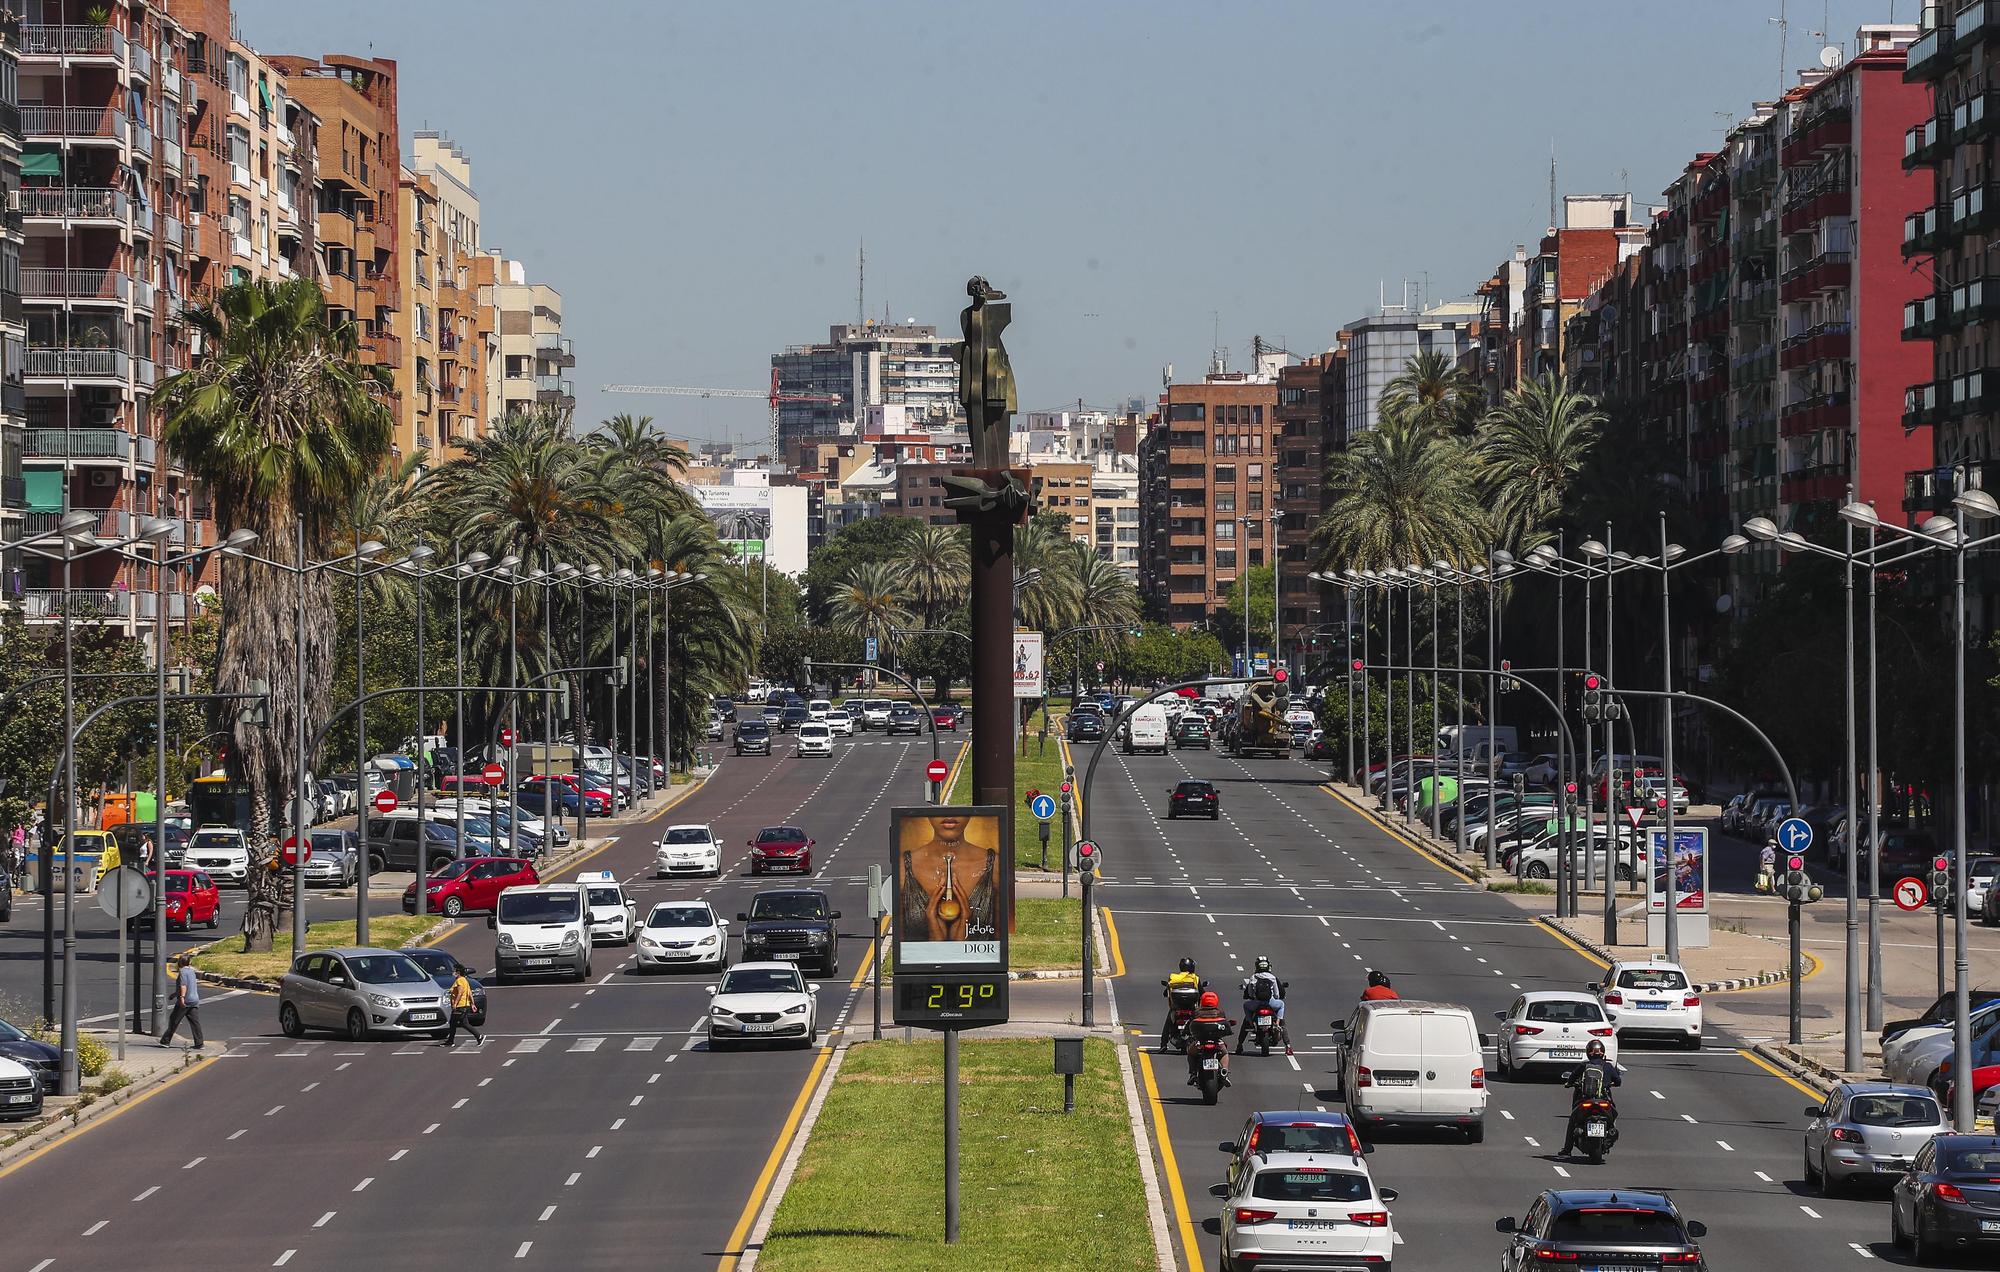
(542, 930)
(1412, 1062)
(1147, 729)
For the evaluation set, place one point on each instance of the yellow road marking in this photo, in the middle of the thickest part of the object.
(868, 956)
(1780, 1074)
(1396, 835)
(1117, 954)
(741, 1231)
(1566, 939)
(1182, 1219)
(93, 1124)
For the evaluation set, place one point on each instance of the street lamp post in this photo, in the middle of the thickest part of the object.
(1500, 562)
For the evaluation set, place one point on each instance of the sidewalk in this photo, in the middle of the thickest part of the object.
(146, 1064)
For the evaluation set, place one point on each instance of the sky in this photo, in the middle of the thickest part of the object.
(1147, 179)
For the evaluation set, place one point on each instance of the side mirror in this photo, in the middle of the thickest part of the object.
(812, 989)
(1697, 1229)
(1386, 1194)
(491, 923)
(711, 991)
(742, 918)
(1594, 986)
(1506, 1224)
(834, 915)
(1499, 1015)
(1226, 1146)
(1212, 1226)
(811, 842)
(1218, 1190)
(337, 980)
(1815, 1111)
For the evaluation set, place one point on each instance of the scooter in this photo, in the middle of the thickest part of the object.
(1211, 1074)
(1598, 1128)
(1181, 1003)
(1265, 1027)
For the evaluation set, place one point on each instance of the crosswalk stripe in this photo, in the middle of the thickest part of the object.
(587, 1044)
(528, 1046)
(642, 1044)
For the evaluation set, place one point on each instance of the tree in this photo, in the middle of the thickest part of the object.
(281, 422)
(1432, 392)
(1531, 449)
(937, 571)
(869, 539)
(1229, 615)
(870, 602)
(1401, 495)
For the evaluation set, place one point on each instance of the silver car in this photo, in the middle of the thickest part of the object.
(1868, 1130)
(359, 991)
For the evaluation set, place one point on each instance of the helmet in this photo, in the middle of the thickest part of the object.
(1210, 999)
(1378, 980)
(1263, 963)
(1187, 964)
(1596, 1049)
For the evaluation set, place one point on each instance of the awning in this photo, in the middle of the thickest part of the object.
(41, 161)
(44, 489)
(264, 95)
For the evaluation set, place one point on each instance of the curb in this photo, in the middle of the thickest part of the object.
(1802, 1067)
(1142, 1143)
(75, 1119)
(1760, 980)
(753, 1245)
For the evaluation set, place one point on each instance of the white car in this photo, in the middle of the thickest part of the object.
(1321, 1209)
(221, 853)
(1651, 997)
(683, 934)
(875, 714)
(841, 721)
(1551, 1028)
(762, 1002)
(1538, 859)
(819, 709)
(815, 738)
(613, 916)
(1914, 1055)
(688, 849)
(1299, 720)
(1979, 875)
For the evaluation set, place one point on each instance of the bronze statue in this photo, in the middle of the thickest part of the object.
(986, 388)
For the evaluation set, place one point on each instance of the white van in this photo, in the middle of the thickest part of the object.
(1413, 1062)
(542, 930)
(1146, 730)
(1478, 740)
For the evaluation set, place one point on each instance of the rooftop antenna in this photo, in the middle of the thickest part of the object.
(1553, 224)
(861, 286)
(1784, 54)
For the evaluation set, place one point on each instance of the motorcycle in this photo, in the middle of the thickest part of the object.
(1598, 1128)
(1181, 1003)
(1211, 1075)
(1265, 1028)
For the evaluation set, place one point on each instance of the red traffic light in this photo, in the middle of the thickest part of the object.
(1506, 664)
(1569, 788)
(1279, 675)
(1357, 664)
(1795, 862)
(1085, 849)
(1065, 788)
(1593, 681)
(1940, 864)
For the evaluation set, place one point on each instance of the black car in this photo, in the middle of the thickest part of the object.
(1948, 1202)
(1086, 726)
(791, 925)
(904, 718)
(132, 836)
(1589, 1227)
(44, 1058)
(1195, 798)
(441, 967)
(794, 715)
(1193, 730)
(753, 737)
(1320, 746)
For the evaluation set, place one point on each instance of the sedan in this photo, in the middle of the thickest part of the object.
(1194, 798)
(762, 1002)
(1949, 1200)
(781, 848)
(1323, 1211)
(1549, 1029)
(444, 969)
(683, 934)
(1653, 998)
(1868, 1131)
(688, 849)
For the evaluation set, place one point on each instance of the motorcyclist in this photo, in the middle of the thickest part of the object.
(1263, 989)
(1378, 989)
(1186, 978)
(1208, 1025)
(1592, 1080)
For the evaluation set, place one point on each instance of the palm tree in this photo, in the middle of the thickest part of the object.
(1433, 391)
(1104, 595)
(1052, 599)
(1532, 448)
(870, 601)
(281, 422)
(936, 569)
(712, 642)
(1401, 494)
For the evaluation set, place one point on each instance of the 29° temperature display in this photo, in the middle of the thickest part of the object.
(951, 1002)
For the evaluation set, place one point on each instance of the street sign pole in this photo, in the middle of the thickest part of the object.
(951, 1135)
(875, 915)
(1068, 787)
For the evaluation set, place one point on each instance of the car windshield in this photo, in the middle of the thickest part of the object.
(781, 835)
(1983, 867)
(539, 907)
(10, 1034)
(789, 905)
(1893, 1110)
(1312, 1137)
(215, 839)
(386, 969)
(680, 916)
(687, 835)
(751, 730)
(1652, 978)
(902, 708)
(605, 896)
(1311, 1185)
(1972, 1161)
(441, 966)
(762, 980)
(453, 870)
(1620, 1225)
(1566, 1012)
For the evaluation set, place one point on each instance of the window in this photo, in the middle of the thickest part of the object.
(1225, 501)
(239, 147)
(239, 76)
(1256, 501)
(1256, 472)
(1187, 411)
(1256, 415)
(1225, 559)
(1225, 474)
(1225, 531)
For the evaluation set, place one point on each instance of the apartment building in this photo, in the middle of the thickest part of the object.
(1309, 402)
(13, 325)
(533, 355)
(1382, 344)
(1063, 487)
(444, 269)
(266, 183)
(1207, 492)
(832, 385)
(415, 323)
(1114, 511)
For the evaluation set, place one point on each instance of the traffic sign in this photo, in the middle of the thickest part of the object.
(1635, 815)
(937, 770)
(125, 892)
(1100, 665)
(1795, 834)
(506, 737)
(494, 774)
(385, 801)
(291, 850)
(1911, 893)
(1043, 806)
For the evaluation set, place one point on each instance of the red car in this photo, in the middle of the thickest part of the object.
(595, 803)
(1984, 1078)
(192, 898)
(470, 883)
(946, 717)
(781, 848)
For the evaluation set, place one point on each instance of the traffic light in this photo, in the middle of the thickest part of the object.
(1086, 856)
(1507, 682)
(1940, 880)
(1799, 887)
(1521, 787)
(255, 709)
(621, 674)
(1593, 699)
(1356, 677)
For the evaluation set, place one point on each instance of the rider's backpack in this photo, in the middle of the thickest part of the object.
(1591, 1084)
(1262, 990)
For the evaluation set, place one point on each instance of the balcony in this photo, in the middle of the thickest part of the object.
(176, 232)
(140, 61)
(556, 350)
(1927, 490)
(75, 122)
(1973, 301)
(1824, 272)
(52, 362)
(43, 40)
(1975, 22)
(1920, 232)
(75, 203)
(83, 603)
(1925, 145)
(114, 444)
(1974, 209)
(76, 284)
(1975, 118)
(448, 340)
(1929, 57)
(553, 389)
(1970, 394)
(1921, 317)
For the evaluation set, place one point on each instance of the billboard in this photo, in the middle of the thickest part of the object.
(950, 900)
(1028, 665)
(1690, 864)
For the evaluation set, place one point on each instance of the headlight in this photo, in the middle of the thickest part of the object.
(571, 938)
(648, 943)
(718, 1011)
(506, 941)
(799, 1010)
(817, 938)
(383, 1001)
(706, 940)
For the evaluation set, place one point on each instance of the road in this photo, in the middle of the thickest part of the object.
(1293, 873)
(592, 1127)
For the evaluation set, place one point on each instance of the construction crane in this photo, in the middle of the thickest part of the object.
(774, 395)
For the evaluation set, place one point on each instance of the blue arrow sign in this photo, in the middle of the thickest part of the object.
(1795, 834)
(1043, 806)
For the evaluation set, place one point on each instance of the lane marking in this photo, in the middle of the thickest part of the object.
(196, 1162)
(398, 1155)
(522, 1253)
(1723, 1144)
(234, 1135)
(573, 1177)
(1810, 1212)
(1190, 1248)
(364, 1183)
(432, 1127)
(1781, 1075)
(325, 1219)
(96, 1228)
(546, 1212)
(149, 1192)
(1562, 1172)
(283, 1259)
(752, 1204)
(1761, 1175)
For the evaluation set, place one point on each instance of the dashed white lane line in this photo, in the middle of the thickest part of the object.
(462, 1102)
(618, 1125)
(196, 1162)
(1504, 1113)
(149, 1192)
(636, 1100)
(1810, 1212)
(364, 1183)
(97, 1227)
(283, 1259)
(551, 1026)
(1293, 1061)
(546, 1212)
(307, 1087)
(274, 1110)
(1532, 1141)
(325, 1219)
(1724, 1146)
(432, 1127)
(1861, 1250)
(42, 1266)
(1562, 1172)
(239, 1134)
(399, 1154)
(571, 1181)
(1656, 1095)
(1761, 1175)
(595, 1149)
(522, 1253)
(1688, 1118)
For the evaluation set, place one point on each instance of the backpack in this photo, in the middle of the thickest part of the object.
(1262, 989)
(1591, 1083)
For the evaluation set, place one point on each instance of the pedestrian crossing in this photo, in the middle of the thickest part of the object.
(512, 1045)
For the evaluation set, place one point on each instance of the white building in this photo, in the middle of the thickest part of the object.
(756, 520)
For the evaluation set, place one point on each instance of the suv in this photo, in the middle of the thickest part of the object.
(1317, 1210)
(1086, 726)
(753, 737)
(392, 844)
(1588, 1227)
(221, 853)
(903, 718)
(1193, 730)
(1195, 798)
(791, 925)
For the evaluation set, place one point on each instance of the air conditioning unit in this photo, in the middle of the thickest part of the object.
(235, 224)
(103, 477)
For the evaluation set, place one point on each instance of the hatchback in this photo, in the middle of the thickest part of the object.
(753, 737)
(1194, 798)
(1585, 1228)
(1086, 726)
(192, 898)
(1550, 1029)
(781, 848)
(1868, 1130)
(1193, 730)
(1306, 1210)
(358, 992)
(1949, 1200)
(444, 969)
(469, 883)
(683, 934)
(1651, 998)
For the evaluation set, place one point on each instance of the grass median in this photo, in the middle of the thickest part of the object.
(385, 931)
(1039, 1189)
(1040, 769)
(1048, 935)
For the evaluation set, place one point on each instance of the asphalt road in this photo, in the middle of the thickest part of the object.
(1291, 872)
(593, 1129)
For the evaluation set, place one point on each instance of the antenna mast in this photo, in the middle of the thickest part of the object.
(861, 286)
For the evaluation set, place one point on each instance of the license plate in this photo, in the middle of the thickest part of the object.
(1211, 1063)
(1985, 1225)
(1569, 1054)
(537, 962)
(1596, 1130)
(1311, 1225)
(791, 955)
(28, 1098)
(761, 1028)
(1396, 1082)
(424, 1015)
(1652, 1006)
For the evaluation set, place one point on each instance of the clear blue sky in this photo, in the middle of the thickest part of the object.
(694, 178)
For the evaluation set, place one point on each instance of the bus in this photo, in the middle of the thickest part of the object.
(219, 800)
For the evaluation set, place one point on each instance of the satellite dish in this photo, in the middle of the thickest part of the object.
(1831, 56)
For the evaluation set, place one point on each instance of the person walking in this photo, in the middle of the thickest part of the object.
(461, 1008)
(187, 1004)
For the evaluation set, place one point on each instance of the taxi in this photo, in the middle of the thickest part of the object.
(614, 916)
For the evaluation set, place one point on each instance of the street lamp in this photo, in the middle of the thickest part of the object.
(1948, 534)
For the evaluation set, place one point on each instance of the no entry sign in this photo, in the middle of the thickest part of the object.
(385, 801)
(494, 774)
(937, 770)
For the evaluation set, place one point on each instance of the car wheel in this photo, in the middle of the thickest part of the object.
(1896, 1237)
(357, 1025)
(453, 907)
(1503, 1069)
(1216, 815)
(377, 864)
(1926, 1250)
(289, 1022)
(214, 920)
(1815, 1176)
(1476, 1133)
(1536, 870)
(1829, 1185)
